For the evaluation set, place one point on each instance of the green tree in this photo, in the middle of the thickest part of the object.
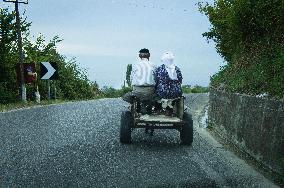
(128, 75)
(239, 26)
(9, 55)
(73, 82)
(249, 35)
(186, 88)
(77, 85)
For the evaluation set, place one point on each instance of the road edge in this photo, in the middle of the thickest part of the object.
(267, 172)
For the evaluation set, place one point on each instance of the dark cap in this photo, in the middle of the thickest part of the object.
(144, 50)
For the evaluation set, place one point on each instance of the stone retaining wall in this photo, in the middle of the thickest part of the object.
(255, 125)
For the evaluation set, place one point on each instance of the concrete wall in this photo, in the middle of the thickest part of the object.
(255, 125)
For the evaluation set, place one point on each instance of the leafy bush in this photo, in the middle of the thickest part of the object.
(110, 92)
(262, 76)
(199, 89)
(72, 84)
(186, 88)
(238, 26)
(249, 35)
(194, 89)
(8, 94)
(128, 75)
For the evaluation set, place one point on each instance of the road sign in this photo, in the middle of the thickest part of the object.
(30, 74)
(48, 71)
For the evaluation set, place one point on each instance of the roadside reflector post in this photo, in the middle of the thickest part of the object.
(49, 95)
(54, 91)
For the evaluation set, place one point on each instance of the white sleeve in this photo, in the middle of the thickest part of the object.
(133, 75)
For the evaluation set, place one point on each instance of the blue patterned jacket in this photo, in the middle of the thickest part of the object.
(167, 88)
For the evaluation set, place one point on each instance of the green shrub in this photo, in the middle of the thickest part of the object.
(265, 75)
(199, 89)
(186, 89)
(110, 92)
(194, 89)
(72, 84)
(249, 35)
(7, 94)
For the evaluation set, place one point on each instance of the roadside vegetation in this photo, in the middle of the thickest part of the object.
(194, 89)
(249, 35)
(110, 92)
(73, 83)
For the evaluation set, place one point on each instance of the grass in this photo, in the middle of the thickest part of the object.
(20, 105)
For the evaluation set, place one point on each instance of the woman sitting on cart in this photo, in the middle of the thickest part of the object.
(168, 78)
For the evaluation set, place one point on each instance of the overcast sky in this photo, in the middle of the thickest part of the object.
(106, 35)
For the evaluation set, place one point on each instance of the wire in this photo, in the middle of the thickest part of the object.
(149, 6)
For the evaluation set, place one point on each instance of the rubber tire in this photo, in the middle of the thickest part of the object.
(186, 133)
(126, 122)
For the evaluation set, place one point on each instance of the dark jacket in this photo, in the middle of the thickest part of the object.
(167, 88)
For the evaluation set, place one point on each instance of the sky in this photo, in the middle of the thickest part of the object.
(106, 35)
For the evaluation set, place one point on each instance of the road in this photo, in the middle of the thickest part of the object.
(77, 145)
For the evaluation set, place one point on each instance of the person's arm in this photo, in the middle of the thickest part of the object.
(153, 74)
(156, 79)
(131, 74)
(179, 75)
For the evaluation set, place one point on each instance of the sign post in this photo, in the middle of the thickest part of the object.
(37, 95)
(54, 91)
(48, 85)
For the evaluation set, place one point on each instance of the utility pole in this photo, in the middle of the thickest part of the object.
(20, 47)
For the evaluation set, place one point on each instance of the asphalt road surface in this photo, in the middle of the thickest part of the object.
(77, 145)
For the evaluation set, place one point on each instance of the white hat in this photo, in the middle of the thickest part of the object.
(168, 59)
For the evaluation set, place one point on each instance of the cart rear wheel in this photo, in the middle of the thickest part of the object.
(125, 127)
(186, 133)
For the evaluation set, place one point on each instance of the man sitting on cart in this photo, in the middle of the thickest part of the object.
(143, 82)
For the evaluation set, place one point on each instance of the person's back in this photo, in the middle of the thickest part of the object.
(142, 77)
(168, 78)
(143, 73)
